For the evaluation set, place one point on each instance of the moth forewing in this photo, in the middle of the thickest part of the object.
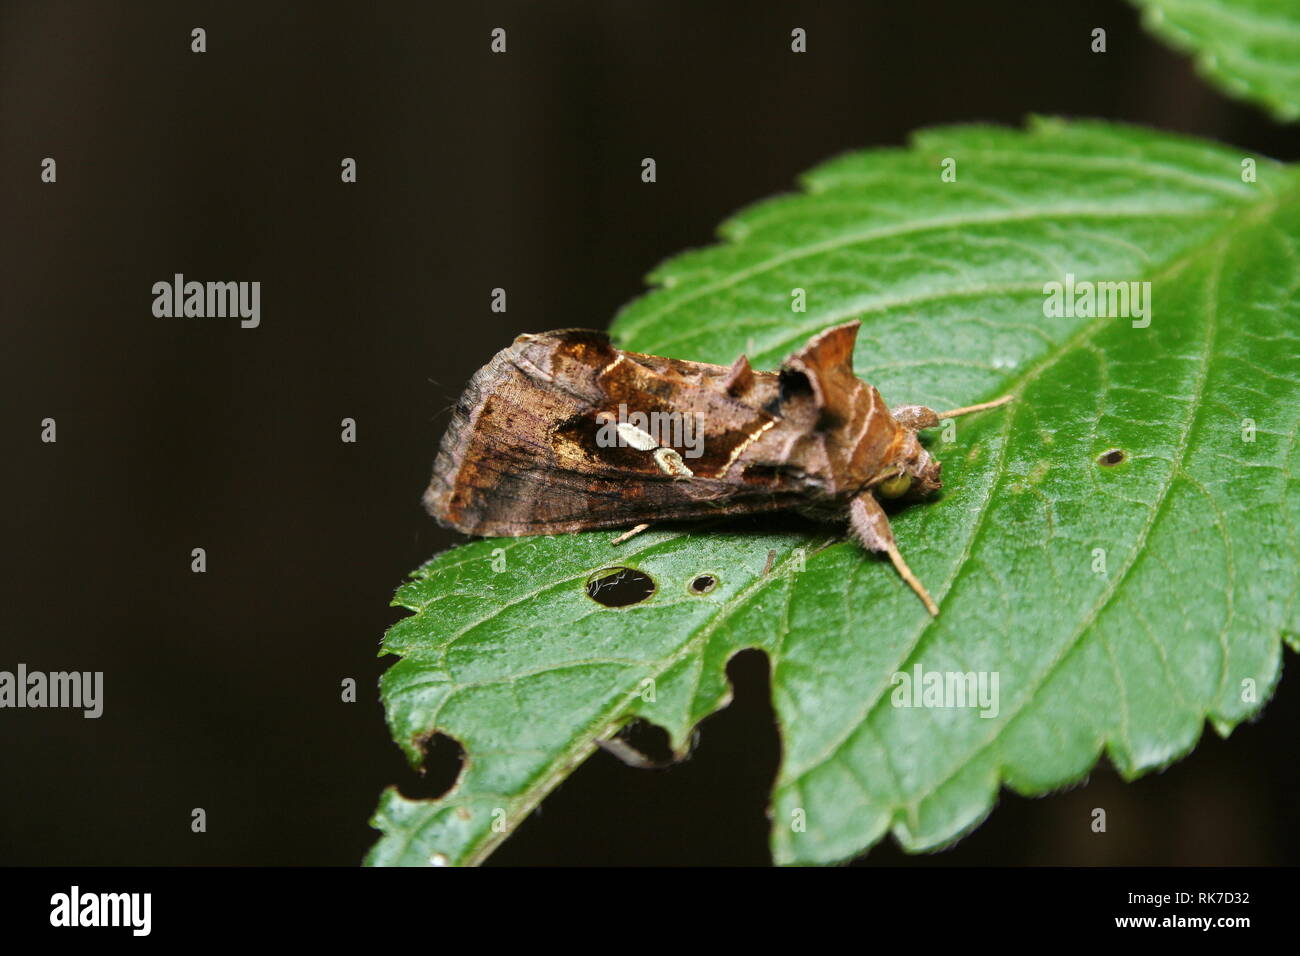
(522, 453)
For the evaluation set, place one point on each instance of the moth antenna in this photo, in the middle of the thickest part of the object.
(966, 410)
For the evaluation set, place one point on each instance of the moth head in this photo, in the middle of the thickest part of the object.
(914, 474)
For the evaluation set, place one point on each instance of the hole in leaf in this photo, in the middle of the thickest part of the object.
(1112, 457)
(643, 745)
(703, 584)
(619, 587)
(444, 759)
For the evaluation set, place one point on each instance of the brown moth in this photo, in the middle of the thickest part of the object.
(541, 442)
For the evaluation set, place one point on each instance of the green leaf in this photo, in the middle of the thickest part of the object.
(1249, 48)
(1119, 606)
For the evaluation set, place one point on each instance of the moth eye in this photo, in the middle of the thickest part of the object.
(703, 584)
(896, 486)
(619, 587)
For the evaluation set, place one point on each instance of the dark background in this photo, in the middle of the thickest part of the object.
(475, 171)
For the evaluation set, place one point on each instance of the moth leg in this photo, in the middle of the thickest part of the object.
(871, 526)
(918, 416)
(630, 534)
